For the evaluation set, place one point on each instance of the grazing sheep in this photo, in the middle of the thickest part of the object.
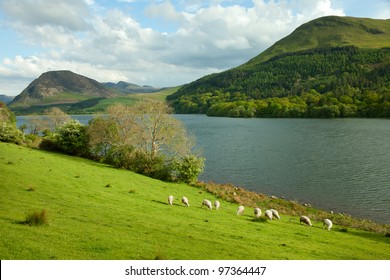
(275, 214)
(184, 200)
(170, 200)
(268, 214)
(305, 220)
(207, 203)
(328, 223)
(240, 210)
(257, 212)
(217, 204)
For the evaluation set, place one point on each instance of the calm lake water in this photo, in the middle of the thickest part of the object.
(334, 164)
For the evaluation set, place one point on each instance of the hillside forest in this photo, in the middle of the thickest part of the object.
(317, 83)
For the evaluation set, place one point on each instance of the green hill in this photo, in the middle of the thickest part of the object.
(55, 87)
(331, 31)
(329, 67)
(130, 88)
(97, 212)
(77, 94)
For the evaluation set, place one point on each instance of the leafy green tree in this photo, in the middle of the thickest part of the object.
(71, 138)
(9, 133)
(8, 129)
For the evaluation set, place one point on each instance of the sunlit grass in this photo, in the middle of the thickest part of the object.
(131, 219)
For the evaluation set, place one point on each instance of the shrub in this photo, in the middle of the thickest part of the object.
(36, 218)
(71, 138)
(33, 141)
(9, 133)
(188, 168)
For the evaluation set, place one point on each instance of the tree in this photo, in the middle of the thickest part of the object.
(8, 129)
(144, 138)
(103, 136)
(53, 118)
(56, 117)
(71, 138)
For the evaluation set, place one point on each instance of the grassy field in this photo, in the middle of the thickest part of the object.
(131, 99)
(98, 212)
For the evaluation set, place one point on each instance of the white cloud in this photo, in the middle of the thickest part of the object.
(165, 10)
(109, 45)
(69, 14)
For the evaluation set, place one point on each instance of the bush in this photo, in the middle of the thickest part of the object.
(188, 168)
(36, 218)
(9, 133)
(127, 157)
(71, 138)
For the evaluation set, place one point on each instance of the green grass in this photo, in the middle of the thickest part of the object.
(132, 220)
(133, 98)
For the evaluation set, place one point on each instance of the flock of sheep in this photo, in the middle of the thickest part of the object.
(270, 214)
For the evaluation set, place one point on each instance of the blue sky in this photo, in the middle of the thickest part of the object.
(158, 43)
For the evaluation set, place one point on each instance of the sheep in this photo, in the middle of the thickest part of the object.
(217, 204)
(257, 212)
(275, 214)
(268, 214)
(170, 200)
(207, 203)
(240, 210)
(328, 223)
(305, 220)
(184, 200)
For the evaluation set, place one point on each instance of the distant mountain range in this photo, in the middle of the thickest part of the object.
(328, 67)
(5, 98)
(128, 88)
(71, 91)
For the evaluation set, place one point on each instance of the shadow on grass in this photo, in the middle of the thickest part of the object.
(385, 238)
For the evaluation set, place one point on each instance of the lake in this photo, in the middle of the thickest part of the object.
(341, 165)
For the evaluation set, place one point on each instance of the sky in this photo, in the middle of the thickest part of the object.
(159, 43)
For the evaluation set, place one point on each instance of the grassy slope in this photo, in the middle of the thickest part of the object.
(130, 99)
(330, 31)
(131, 219)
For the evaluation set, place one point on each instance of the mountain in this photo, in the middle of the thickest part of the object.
(328, 67)
(5, 98)
(57, 87)
(128, 88)
(331, 31)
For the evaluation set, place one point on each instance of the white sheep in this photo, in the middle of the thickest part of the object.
(268, 214)
(240, 210)
(184, 200)
(207, 203)
(275, 214)
(170, 200)
(217, 204)
(305, 220)
(328, 223)
(257, 212)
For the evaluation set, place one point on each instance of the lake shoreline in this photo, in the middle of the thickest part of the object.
(242, 196)
(333, 164)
